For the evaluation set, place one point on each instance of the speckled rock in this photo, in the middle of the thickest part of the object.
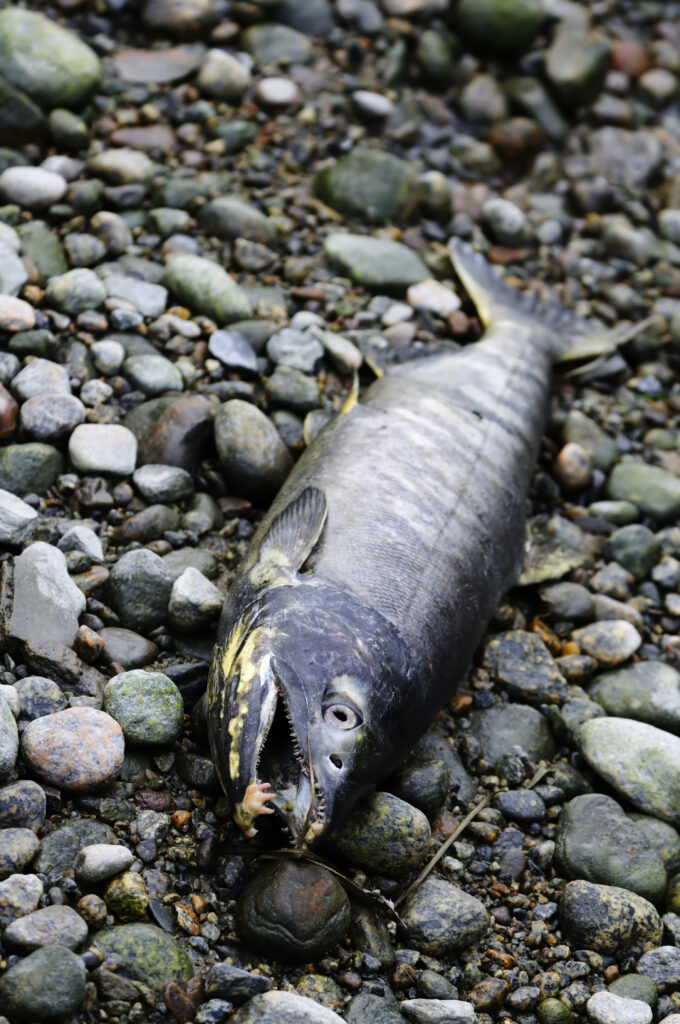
(369, 183)
(22, 804)
(39, 696)
(253, 456)
(18, 847)
(47, 985)
(293, 911)
(9, 739)
(503, 726)
(150, 956)
(49, 926)
(637, 760)
(522, 663)
(140, 584)
(147, 705)
(662, 965)
(59, 849)
(19, 895)
(439, 918)
(596, 841)
(126, 896)
(284, 1008)
(41, 377)
(75, 291)
(611, 642)
(383, 834)
(608, 919)
(647, 692)
(53, 420)
(29, 468)
(77, 749)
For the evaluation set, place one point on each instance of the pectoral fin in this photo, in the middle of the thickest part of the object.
(291, 538)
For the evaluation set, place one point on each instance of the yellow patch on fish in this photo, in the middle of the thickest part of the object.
(273, 567)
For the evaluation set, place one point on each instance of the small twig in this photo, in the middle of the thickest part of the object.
(537, 776)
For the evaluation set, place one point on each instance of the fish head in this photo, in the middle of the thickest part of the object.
(303, 710)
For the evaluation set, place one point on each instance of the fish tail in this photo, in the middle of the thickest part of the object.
(569, 337)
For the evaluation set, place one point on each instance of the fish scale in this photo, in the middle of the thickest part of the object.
(371, 579)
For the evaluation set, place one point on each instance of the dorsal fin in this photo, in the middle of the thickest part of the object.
(291, 538)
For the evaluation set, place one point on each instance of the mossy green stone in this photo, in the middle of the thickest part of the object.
(147, 706)
(502, 26)
(46, 61)
(370, 184)
(228, 217)
(377, 263)
(608, 919)
(576, 66)
(206, 288)
(383, 834)
(636, 986)
(150, 956)
(126, 896)
(43, 248)
(268, 43)
(654, 490)
(552, 1011)
(31, 467)
(648, 691)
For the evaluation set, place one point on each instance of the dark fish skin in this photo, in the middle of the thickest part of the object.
(423, 487)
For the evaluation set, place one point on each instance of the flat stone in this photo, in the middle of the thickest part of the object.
(30, 187)
(49, 926)
(122, 166)
(522, 663)
(76, 291)
(655, 491)
(17, 519)
(608, 919)
(269, 43)
(77, 749)
(127, 648)
(377, 263)
(639, 761)
(13, 273)
(39, 696)
(153, 375)
(439, 918)
(371, 184)
(149, 67)
(103, 448)
(647, 692)
(147, 705)
(234, 351)
(48, 985)
(279, 1007)
(46, 602)
(297, 349)
(438, 1011)
(611, 643)
(41, 377)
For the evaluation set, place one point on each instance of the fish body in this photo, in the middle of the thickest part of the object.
(371, 579)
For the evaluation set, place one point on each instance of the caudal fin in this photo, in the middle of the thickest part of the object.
(571, 338)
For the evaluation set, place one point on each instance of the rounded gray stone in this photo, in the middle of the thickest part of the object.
(153, 375)
(655, 491)
(101, 861)
(47, 985)
(648, 691)
(254, 458)
(377, 263)
(51, 420)
(233, 350)
(103, 448)
(297, 349)
(147, 705)
(156, 482)
(194, 601)
(22, 805)
(9, 739)
(75, 291)
(108, 355)
(608, 919)
(439, 918)
(41, 377)
(30, 187)
(59, 849)
(140, 584)
(49, 926)
(39, 696)
(284, 1008)
(369, 183)
(383, 834)
(608, 1008)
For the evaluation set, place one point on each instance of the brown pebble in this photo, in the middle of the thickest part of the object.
(611, 973)
(154, 801)
(517, 140)
(501, 915)
(8, 413)
(404, 976)
(88, 644)
(629, 57)
(187, 919)
(547, 635)
(178, 1002)
(351, 979)
(181, 820)
(91, 581)
(573, 467)
(92, 909)
(195, 988)
(458, 322)
(489, 994)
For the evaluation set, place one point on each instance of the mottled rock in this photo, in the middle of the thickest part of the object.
(49, 926)
(22, 805)
(147, 705)
(611, 643)
(76, 749)
(284, 1008)
(439, 918)
(524, 665)
(608, 919)
(19, 895)
(383, 834)
(224, 981)
(647, 692)
(46, 603)
(75, 291)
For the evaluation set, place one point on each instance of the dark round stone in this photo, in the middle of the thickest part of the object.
(293, 912)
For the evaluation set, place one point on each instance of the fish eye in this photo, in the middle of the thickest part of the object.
(341, 716)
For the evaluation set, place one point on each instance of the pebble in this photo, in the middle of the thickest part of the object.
(148, 298)
(505, 222)
(152, 374)
(31, 187)
(19, 895)
(15, 314)
(41, 377)
(231, 218)
(608, 919)
(277, 92)
(223, 76)
(140, 584)
(59, 849)
(254, 458)
(22, 805)
(611, 643)
(49, 926)
(149, 955)
(30, 467)
(377, 263)
(75, 291)
(371, 184)
(77, 749)
(224, 981)
(440, 918)
(523, 664)
(596, 841)
(18, 847)
(647, 692)
(637, 760)
(608, 1008)
(434, 297)
(17, 519)
(100, 861)
(39, 696)
(9, 739)
(662, 966)
(234, 351)
(49, 984)
(296, 349)
(194, 602)
(383, 834)
(127, 648)
(45, 603)
(504, 726)
(103, 448)
(655, 491)
(53, 420)
(284, 1008)
(439, 1011)
(162, 483)
(82, 538)
(147, 706)
(126, 897)
(108, 356)
(206, 288)
(300, 909)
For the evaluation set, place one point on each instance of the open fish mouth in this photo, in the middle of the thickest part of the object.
(285, 765)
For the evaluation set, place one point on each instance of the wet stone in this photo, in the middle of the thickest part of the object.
(383, 834)
(18, 847)
(635, 986)
(284, 1008)
(424, 781)
(50, 926)
(225, 981)
(608, 1008)
(19, 895)
(655, 491)
(140, 586)
(149, 524)
(439, 918)
(100, 861)
(611, 643)
(293, 911)
(76, 749)
(127, 648)
(524, 665)
(83, 539)
(157, 483)
(607, 918)
(252, 455)
(377, 263)
(269, 43)
(60, 848)
(153, 375)
(509, 725)
(126, 897)
(570, 602)
(231, 218)
(596, 841)
(147, 705)
(637, 760)
(647, 692)
(47, 985)
(191, 558)
(150, 955)
(521, 806)
(22, 805)
(293, 390)
(194, 601)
